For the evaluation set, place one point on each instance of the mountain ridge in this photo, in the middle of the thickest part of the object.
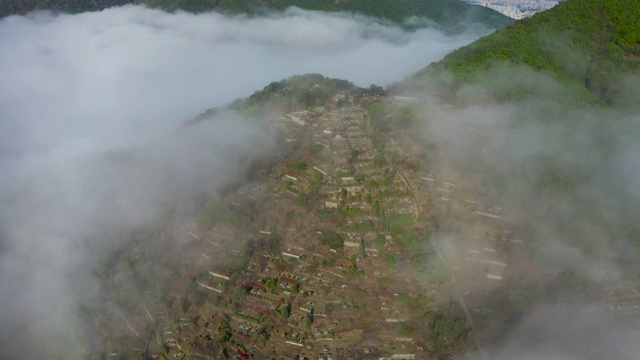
(585, 43)
(447, 14)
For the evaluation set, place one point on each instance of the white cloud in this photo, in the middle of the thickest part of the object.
(78, 83)
(73, 86)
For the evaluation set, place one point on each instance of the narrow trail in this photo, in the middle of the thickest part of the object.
(126, 321)
(149, 315)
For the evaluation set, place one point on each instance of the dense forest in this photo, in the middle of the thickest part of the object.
(567, 42)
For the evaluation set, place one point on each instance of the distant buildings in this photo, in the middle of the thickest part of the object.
(517, 9)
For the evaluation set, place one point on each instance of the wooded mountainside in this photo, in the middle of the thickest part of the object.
(585, 43)
(451, 15)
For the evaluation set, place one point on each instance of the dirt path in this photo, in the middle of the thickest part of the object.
(126, 321)
(149, 315)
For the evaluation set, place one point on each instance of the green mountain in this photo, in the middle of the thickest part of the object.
(448, 14)
(586, 44)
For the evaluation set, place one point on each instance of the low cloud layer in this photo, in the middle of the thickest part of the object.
(565, 172)
(60, 217)
(570, 331)
(89, 107)
(78, 83)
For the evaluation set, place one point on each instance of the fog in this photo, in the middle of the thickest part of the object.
(61, 217)
(94, 81)
(564, 171)
(91, 145)
(91, 142)
(570, 331)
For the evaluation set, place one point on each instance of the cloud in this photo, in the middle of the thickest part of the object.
(91, 142)
(59, 217)
(570, 331)
(565, 173)
(97, 80)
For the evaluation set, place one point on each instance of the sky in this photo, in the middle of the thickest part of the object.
(91, 144)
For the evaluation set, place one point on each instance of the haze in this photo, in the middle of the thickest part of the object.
(566, 173)
(73, 84)
(122, 81)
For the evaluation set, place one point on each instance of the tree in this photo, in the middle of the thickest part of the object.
(225, 337)
(396, 229)
(315, 177)
(300, 165)
(375, 90)
(379, 141)
(286, 311)
(331, 239)
(458, 329)
(391, 260)
(184, 304)
(401, 330)
(302, 201)
(379, 242)
(236, 220)
(353, 155)
(471, 339)
(308, 320)
(379, 160)
(408, 238)
(439, 327)
(271, 284)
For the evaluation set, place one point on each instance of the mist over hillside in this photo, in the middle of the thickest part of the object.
(522, 147)
(61, 216)
(563, 176)
(140, 72)
(547, 132)
(89, 146)
(585, 45)
(447, 15)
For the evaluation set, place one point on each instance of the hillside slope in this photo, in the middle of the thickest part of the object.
(448, 14)
(584, 43)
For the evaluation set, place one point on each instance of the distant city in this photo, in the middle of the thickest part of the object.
(517, 9)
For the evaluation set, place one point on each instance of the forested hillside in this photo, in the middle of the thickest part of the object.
(449, 14)
(588, 43)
